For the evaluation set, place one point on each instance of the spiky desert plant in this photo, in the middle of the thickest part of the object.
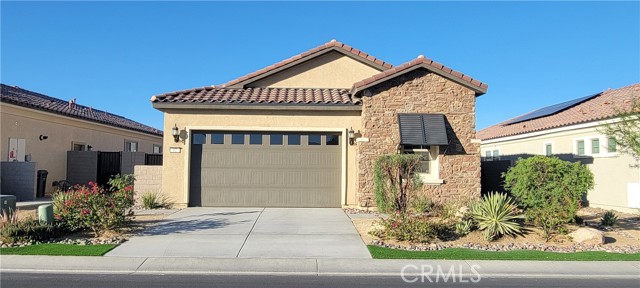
(609, 218)
(496, 215)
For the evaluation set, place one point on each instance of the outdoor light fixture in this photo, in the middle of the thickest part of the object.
(352, 136)
(43, 137)
(176, 133)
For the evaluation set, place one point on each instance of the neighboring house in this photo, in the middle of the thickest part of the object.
(44, 128)
(305, 132)
(572, 131)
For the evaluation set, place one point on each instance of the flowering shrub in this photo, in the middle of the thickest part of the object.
(92, 207)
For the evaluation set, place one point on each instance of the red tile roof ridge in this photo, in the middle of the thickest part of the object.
(420, 60)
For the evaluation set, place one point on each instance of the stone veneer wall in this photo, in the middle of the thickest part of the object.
(422, 92)
(148, 180)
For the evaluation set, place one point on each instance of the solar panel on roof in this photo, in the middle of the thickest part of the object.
(549, 110)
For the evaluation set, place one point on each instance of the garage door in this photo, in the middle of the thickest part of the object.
(259, 169)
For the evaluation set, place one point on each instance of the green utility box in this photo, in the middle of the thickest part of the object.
(45, 213)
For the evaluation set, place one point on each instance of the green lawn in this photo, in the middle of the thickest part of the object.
(471, 254)
(59, 249)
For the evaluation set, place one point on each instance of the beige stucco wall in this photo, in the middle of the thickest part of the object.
(148, 180)
(175, 173)
(51, 154)
(332, 70)
(612, 171)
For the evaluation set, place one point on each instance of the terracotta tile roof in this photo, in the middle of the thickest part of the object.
(430, 65)
(332, 45)
(25, 98)
(257, 96)
(600, 107)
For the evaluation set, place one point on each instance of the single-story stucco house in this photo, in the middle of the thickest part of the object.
(41, 129)
(306, 131)
(573, 131)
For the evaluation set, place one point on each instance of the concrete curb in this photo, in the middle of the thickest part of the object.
(320, 267)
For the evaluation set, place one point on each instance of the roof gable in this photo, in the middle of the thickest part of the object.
(332, 46)
(603, 106)
(421, 63)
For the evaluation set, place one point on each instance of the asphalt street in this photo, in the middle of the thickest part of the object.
(29, 280)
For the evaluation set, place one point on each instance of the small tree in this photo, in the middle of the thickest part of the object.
(395, 181)
(626, 132)
(549, 189)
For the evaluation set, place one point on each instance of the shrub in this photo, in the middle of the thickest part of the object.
(464, 227)
(395, 181)
(609, 218)
(422, 204)
(29, 230)
(496, 216)
(91, 207)
(120, 182)
(407, 227)
(153, 201)
(549, 189)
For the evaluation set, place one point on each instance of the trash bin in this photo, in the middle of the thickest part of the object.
(42, 183)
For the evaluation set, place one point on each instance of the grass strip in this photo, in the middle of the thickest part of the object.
(378, 252)
(59, 250)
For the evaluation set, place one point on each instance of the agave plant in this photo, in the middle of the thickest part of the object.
(609, 218)
(496, 215)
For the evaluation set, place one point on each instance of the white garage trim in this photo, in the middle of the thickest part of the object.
(344, 143)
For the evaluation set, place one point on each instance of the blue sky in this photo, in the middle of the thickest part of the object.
(115, 55)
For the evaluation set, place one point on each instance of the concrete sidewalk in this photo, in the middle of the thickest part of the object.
(320, 266)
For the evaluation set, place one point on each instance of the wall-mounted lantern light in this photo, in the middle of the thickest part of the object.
(352, 136)
(43, 137)
(175, 132)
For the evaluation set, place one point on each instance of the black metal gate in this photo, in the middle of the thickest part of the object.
(491, 175)
(153, 159)
(108, 166)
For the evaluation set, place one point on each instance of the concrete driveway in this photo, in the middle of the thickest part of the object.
(249, 233)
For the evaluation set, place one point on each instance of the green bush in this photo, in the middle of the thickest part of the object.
(395, 182)
(496, 215)
(549, 189)
(153, 201)
(29, 230)
(91, 207)
(464, 227)
(415, 228)
(120, 182)
(422, 204)
(609, 218)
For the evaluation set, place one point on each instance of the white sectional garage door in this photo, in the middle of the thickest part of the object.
(265, 169)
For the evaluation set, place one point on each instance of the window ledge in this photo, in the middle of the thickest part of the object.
(432, 181)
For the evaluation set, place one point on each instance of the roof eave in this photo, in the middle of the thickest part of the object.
(164, 106)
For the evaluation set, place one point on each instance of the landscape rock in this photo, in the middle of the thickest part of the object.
(587, 235)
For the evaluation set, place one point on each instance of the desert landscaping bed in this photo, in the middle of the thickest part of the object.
(624, 237)
(139, 221)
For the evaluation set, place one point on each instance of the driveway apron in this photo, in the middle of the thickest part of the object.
(249, 233)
